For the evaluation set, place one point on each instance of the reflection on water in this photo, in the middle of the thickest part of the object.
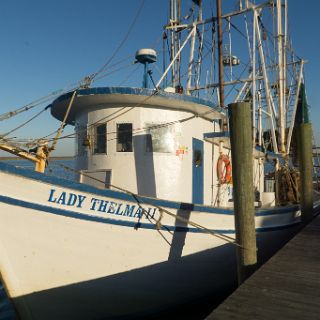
(55, 169)
(6, 309)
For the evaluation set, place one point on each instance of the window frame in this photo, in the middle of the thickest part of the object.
(96, 147)
(156, 132)
(121, 135)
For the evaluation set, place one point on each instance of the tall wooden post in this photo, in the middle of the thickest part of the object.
(305, 163)
(240, 123)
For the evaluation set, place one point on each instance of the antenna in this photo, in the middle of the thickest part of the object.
(146, 56)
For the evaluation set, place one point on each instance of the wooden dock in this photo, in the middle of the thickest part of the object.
(286, 287)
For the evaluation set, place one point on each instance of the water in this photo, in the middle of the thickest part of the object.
(6, 309)
(55, 169)
(197, 311)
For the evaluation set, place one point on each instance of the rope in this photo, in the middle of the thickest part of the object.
(23, 124)
(136, 131)
(37, 102)
(109, 72)
(161, 209)
(29, 106)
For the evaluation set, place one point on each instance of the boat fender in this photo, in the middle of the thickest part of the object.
(224, 169)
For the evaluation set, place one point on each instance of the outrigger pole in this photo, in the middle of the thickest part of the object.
(39, 158)
(42, 150)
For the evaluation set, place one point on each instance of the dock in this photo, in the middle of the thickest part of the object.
(285, 287)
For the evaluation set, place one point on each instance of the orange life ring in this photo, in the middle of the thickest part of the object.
(224, 169)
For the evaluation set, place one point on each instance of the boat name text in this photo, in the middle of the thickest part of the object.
(99, 205)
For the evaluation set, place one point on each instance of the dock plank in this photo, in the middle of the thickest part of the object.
(286, 287)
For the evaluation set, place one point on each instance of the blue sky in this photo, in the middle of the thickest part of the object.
(50, 45)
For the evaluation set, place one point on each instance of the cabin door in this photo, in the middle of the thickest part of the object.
(197, 171)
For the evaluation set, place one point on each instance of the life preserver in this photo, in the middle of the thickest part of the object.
(224, 169)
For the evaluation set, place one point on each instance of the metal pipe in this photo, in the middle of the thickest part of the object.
(285, 101)
(172, 2)
(281, 77)
(174, 59)
(226, 83)
(254, 79)
(191, 59)
(220, 54)
(266, 83)
(209, 20)
(295, 108)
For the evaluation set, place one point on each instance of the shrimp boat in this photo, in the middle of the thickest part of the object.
(148, 223)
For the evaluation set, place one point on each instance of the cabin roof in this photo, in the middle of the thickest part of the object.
(115, 97)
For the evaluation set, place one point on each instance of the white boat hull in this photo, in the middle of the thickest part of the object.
(63, 258)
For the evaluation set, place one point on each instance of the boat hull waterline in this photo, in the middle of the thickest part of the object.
(68, 250)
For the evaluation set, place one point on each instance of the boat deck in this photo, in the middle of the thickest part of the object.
(286, 287)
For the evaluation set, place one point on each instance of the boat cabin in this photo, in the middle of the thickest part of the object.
(147, 142)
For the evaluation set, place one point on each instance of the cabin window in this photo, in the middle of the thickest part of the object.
(124, 137)
(160, 138)
(197, 158)
(100, 141)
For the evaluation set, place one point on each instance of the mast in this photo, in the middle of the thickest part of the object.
(285, 100)
(281, 124)
(172, 19)
(268, 95)
(254, 131)
(220, 50)
(175, 40)
(178, 43)
(192, 44)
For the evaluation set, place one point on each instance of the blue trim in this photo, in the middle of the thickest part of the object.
(197, 171)
(261, 230)
(126, 197)
(127, 90)
(131, 224)
(223, 134)
(135, 91)
(276, 210)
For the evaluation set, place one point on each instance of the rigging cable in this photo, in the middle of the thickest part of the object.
(135, 131)
(62, 124)
(73, 87)
(108, 72)
(122, 42)
(137, 198)
(31, 105)
(24, 123)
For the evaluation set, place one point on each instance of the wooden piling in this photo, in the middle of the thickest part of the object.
(240, 123)
(306, 166)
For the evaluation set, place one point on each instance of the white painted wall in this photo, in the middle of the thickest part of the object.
(161, 175)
